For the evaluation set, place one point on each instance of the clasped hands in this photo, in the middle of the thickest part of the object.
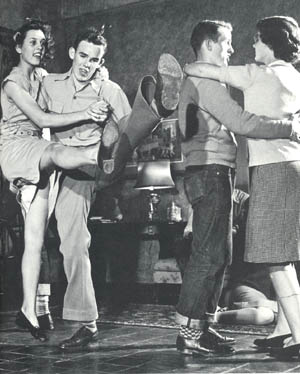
(98, 112)
(101, 112)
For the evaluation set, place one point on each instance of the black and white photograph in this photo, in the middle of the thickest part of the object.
(149, 186)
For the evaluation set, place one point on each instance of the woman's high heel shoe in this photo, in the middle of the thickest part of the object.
(286, 352)
(36, 332)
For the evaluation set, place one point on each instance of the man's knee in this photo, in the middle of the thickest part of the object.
(77, 262)
(77, 245)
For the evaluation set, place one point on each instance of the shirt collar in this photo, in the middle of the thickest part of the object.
(279, 63)
(63, 76)
(95, 83)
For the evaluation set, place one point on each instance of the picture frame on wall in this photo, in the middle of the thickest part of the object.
(162, 144)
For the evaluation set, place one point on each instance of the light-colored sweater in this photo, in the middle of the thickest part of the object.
(210, 115)
(272, 90)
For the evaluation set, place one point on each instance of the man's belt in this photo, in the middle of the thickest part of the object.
(29, 133)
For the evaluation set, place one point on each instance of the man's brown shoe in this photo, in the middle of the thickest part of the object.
(80, 340)
(197, 347)
(191, 346)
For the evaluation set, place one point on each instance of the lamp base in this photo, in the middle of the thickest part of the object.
(154, 200)
(149, 229)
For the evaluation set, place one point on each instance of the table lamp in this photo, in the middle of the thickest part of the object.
(153, 176)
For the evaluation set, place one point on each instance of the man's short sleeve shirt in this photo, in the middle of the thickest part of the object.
(61, 95)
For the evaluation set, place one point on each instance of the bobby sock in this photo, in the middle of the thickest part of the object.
(91, 325)
(189, 333)
(42, 305)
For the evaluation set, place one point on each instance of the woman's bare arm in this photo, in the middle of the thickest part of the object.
(95, 112)
(203, 70)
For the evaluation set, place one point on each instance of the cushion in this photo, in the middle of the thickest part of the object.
(167, 271)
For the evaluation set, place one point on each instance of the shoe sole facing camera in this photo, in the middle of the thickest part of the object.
(170, 74)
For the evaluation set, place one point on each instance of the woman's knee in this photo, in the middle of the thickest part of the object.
(50, 155)
(263, 316)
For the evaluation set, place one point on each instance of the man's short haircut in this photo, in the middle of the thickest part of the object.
(91, 35)
(207, 29)
(282, 35)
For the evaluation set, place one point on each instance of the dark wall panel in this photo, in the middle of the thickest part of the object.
(140, 33)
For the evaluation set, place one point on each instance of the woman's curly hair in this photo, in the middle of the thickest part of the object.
(36, 24)
(282, 35)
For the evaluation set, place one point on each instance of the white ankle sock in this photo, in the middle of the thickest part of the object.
(91, 325)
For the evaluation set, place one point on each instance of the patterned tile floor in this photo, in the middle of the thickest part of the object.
(126, 349)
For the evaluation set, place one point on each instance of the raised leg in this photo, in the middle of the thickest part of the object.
(154, 101)
(68, 158)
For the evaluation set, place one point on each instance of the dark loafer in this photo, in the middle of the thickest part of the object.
(286, 353)
(24, 323)
(46, 322)
(276, 342)
(81, 339)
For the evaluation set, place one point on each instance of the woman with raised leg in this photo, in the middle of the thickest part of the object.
(28, 160)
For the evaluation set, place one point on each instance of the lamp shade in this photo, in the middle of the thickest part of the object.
(154, 175)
